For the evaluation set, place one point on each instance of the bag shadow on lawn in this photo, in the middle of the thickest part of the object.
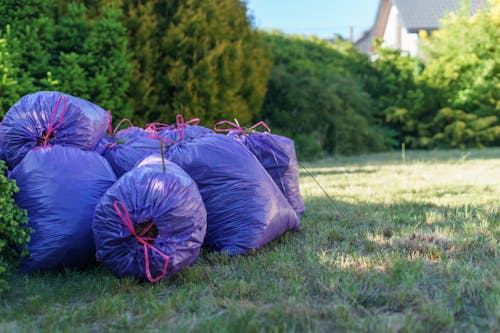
(425, 263)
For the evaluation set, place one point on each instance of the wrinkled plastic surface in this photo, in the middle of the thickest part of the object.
(60, 188)
(170, 200)
(81, 123)
(103, 144)
(123, 154)
(189, 132)
(277, 155)
(245, 208)
(135, 132)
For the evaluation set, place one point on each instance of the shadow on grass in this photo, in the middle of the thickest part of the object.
(355, 269)
(432, 265)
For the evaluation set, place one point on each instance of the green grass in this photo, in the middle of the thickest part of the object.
(406, 247)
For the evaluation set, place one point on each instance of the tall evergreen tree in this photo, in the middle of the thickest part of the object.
(201, 57)
(32, 27)
(107, 62)
(59, 46)
(93, 57)
(9, 87)
(71, 33)
(141, 23)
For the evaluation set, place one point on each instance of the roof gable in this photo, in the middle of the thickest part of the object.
(418, 15)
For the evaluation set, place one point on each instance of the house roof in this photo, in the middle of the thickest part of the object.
(425, 14)
(415, 15)
(364, 43)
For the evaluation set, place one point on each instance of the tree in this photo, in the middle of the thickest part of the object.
(141, 22)
(54, 45)
(463, 61)
(92, 60)
(12, 84)
(402, 100)
(107, 63)
(199, 57)
(32, 27)
(316, 90)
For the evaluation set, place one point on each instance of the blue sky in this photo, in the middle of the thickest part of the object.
(323, 18)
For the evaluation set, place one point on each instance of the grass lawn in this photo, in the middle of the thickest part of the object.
(407, 247)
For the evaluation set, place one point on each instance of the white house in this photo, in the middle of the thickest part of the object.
(398, 22)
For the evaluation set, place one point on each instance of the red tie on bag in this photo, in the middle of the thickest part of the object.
(127, 221)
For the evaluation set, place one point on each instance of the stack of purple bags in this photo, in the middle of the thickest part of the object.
(143, 201)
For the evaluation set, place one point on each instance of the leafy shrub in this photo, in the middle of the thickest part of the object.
(12, 83)
(463, 59)
(307, 148)
(67, 51)
(316, 90)
(199, 56)
(459, 129)
(13, 233)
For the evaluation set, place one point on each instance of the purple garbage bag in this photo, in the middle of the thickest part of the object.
(48, 118)
(151, 223)
(184, 130)
(245, 208)
(132, 131)
(123, 153)
(124, 135)
(277, 155)
(60, 188)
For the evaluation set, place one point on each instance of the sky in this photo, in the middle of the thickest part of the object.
(323, 18)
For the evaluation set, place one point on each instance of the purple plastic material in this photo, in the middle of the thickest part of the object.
(134, 132)
(123, 154)
(103, 144)
(125, 135)
(170, 200)
(60, 188)
(190, 131)
(72, 120)
(245, 208)
(277, 155)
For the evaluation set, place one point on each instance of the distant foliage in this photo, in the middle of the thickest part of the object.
(93, 62)
(451, 97)
(56, 46)
(316, 90)
(199, 57)
(149, 60)
(403, 102)
(13, 232)
(463, 63)
(10, 82)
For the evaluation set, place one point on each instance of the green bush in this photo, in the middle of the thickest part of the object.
(7, 82)
(463, 60)
(93, 62)
(462, 65)
(58, 46)
(401, 100)
(14, 235)
(459, 129)
(199, 56)
(316, 90)
(13, 83)
(307, 148)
